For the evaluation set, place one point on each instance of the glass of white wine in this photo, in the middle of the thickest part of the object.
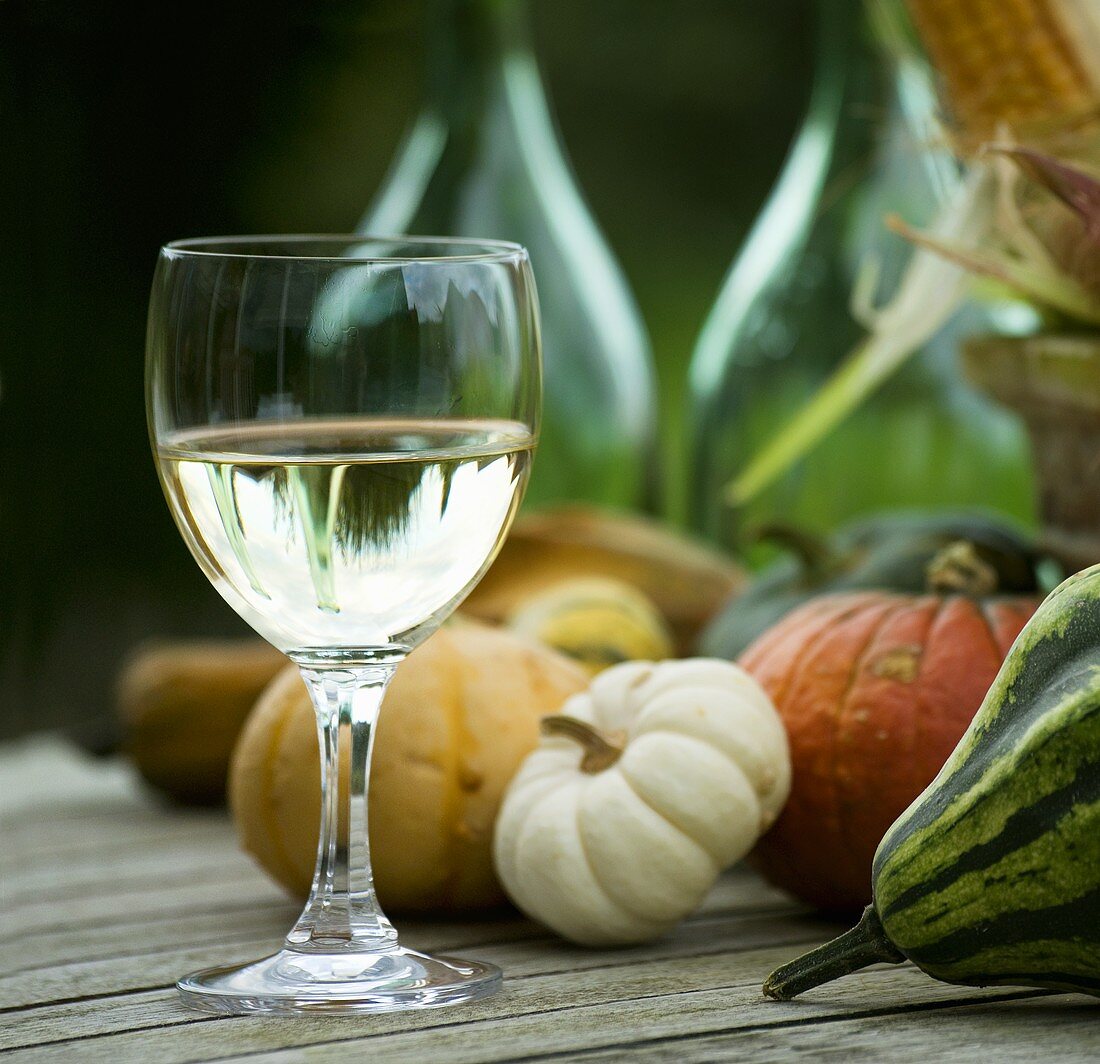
(343, 428)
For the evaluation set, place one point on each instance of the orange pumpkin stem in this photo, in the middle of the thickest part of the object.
(959, 568)
(600, 749)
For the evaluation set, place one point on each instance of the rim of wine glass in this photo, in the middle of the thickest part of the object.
(489, 250)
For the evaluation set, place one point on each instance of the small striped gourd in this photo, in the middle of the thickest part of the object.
(992, 876)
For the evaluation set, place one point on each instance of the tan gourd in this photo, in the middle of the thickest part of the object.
(687, 581)
(182, 706)
(646, 786)
(460, 715)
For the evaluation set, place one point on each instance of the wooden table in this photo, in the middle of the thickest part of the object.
(108, 896)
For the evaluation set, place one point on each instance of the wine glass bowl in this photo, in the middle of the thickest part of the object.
(343, 427)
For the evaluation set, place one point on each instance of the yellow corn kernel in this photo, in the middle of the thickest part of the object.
(1013, 62)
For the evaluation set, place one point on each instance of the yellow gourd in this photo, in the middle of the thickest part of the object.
(597, 622)
(460, 715)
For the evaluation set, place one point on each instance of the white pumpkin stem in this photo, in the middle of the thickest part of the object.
(601, 750)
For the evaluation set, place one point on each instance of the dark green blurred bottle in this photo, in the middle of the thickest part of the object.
(483, 159)
(783, 320)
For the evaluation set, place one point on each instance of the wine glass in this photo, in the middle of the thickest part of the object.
(343, 427)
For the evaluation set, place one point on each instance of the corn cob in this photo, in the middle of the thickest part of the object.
(1020, 63)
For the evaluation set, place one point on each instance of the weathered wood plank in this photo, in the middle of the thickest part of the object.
(127, 821)
(225, 893)
(71, 954)
(54, 948)
(110, 897)
(42, 773)
(1059, 1030)
(516, 945)
(617, 982)
(740, 891)
(27, 858)
(87, 873)
(632, 1002)
(59, 808)
(182, 869)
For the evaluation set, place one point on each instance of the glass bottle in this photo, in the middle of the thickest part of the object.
(784, 318)
(483, 159)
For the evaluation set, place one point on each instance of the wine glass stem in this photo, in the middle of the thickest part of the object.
(342, 914)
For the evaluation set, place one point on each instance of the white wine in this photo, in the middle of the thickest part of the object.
(330, 534)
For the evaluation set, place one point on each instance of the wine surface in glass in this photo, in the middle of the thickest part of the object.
(345, 533)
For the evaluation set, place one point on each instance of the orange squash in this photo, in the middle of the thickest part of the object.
(462, 713)
(875, 690)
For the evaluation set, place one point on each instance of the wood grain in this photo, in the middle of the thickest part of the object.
(110, 896)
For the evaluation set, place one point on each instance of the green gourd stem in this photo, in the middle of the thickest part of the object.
(600, 749)
(960, 569)
(817, 557)
(864, 944)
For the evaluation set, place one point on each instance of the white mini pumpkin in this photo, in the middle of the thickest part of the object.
(645, 787)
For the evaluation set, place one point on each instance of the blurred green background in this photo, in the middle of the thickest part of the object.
(123, 127)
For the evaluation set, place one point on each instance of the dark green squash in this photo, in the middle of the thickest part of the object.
(888, 552)
(992, 876)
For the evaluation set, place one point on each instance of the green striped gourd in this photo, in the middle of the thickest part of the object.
(992, 876)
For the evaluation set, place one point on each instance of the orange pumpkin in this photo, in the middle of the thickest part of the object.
(875, 689)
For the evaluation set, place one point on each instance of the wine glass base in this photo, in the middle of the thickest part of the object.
(293, 983)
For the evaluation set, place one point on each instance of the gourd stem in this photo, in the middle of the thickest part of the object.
(959, 568)
(864, 944)
(600, 749)
(817, 558)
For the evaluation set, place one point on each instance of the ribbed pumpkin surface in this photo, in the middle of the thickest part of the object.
(875, 690)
